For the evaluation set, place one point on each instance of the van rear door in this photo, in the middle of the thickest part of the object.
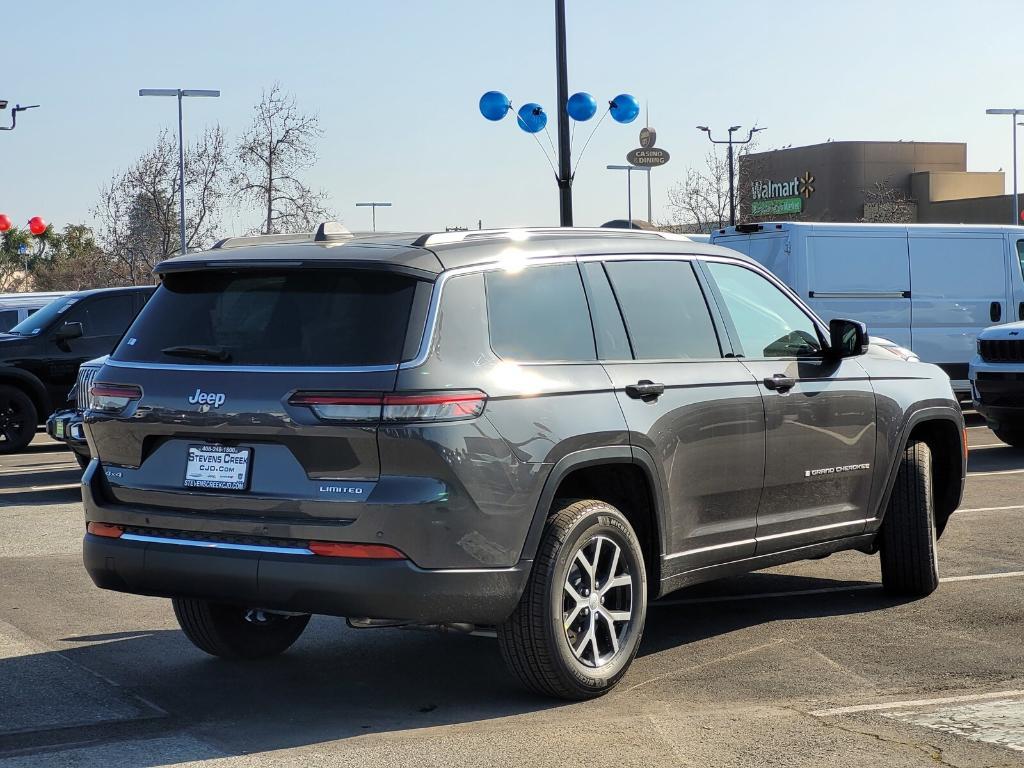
(959, 286)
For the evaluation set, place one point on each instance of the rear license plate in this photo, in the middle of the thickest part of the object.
(217, 466)
(58, 428)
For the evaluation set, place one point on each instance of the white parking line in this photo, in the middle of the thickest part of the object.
(998, 472)
(61, 487)
(28, 470)
(916, 703)
(823, 590)
(990, 509)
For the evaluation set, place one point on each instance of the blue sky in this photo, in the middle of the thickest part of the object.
(396, 85)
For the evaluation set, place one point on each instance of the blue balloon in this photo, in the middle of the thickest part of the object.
(532, 118)
(624, 108)
(581, 106)
(494, 105)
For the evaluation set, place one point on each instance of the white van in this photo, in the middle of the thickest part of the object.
(15, 307)
(929, 287)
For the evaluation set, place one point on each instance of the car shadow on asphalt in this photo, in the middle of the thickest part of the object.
(337, 683)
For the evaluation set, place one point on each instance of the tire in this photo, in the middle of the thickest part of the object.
(534, 641)
(910, 566)
(234, 632)
(1014, 437)
(83, 461)
(18, 419)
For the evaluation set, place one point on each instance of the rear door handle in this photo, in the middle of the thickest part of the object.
(995, 311)
(779, 382)
(645, 389)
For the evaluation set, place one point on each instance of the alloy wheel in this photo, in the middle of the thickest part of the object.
(597, 601)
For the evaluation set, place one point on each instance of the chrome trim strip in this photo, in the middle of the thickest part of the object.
(769, 537)
(253, 368)
(217, 545)
(697, 551)
(817, 528)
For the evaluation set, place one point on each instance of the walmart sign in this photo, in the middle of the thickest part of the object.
(772, 198)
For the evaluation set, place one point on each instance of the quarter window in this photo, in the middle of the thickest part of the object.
(666, 315)
(539, 314)
(767, 322)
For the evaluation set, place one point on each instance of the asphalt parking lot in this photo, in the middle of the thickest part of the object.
(804, 665)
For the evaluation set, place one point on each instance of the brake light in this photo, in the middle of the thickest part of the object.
(363, 551)
(107, 530)
(112, 398)
(417, 407)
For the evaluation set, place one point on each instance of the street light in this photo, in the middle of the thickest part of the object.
(1013, 126)
(14, 113)
(179, 93)
(629, 189)
(373, 207)
(730, 141)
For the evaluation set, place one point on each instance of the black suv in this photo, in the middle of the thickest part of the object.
(39, 357)
(533, 430)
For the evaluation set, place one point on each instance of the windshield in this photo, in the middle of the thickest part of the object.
(39, 321)
(286, 317)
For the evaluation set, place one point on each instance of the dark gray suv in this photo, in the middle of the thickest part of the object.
(531, 430)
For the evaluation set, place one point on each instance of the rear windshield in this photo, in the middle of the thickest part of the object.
(286, 318)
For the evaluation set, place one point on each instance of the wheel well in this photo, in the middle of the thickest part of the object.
(945, 442)
(38, 398)
(626, 487)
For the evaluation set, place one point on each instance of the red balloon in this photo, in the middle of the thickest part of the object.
(5, 222)
(36, 225)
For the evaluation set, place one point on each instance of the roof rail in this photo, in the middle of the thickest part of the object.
(328, 231)
(524, 233)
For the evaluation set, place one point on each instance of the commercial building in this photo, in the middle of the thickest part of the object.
(906, 181)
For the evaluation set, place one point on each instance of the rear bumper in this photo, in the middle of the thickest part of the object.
(998, 392)
(382, 589)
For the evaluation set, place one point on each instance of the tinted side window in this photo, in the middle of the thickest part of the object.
(768, 323)
(665, 311)
(110, 315)
(609, 332)
(539, 313)
(8, 319)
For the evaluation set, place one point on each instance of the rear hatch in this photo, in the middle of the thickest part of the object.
(214, 399)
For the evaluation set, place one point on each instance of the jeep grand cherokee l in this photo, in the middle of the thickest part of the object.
(535, 430)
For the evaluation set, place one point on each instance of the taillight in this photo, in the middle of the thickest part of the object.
(414, 407)
(363, 551)
(106, 530)
(441, 406)
(340, 407)
(112, 398)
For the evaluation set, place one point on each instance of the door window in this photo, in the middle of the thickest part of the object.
(666, 315)
(105, 316)
(539, 314)
(609, 332)
(767, 322)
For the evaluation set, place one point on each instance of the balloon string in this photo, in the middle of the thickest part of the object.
(545, 154)
(550, 142)
(587, 143)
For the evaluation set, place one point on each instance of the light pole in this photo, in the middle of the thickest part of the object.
(1013, 125)
(14, 113)
(373, 207)
(629, 189)
(180, 93)
(730, 141)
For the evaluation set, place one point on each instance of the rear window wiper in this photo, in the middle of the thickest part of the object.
(199, 351)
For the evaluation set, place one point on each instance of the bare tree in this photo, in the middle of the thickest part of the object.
(278, 145)
(138, 209)
(885, 204)
(700, 202)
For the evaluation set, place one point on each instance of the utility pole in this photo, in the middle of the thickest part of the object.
(564, 159)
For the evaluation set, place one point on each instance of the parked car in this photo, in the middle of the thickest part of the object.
(66, 425)
(39, 357)
(15, 307)
(533, 430)
(929, 287)
(997, 381)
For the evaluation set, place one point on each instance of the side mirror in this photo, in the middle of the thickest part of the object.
(69, 331)
(847, 338)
